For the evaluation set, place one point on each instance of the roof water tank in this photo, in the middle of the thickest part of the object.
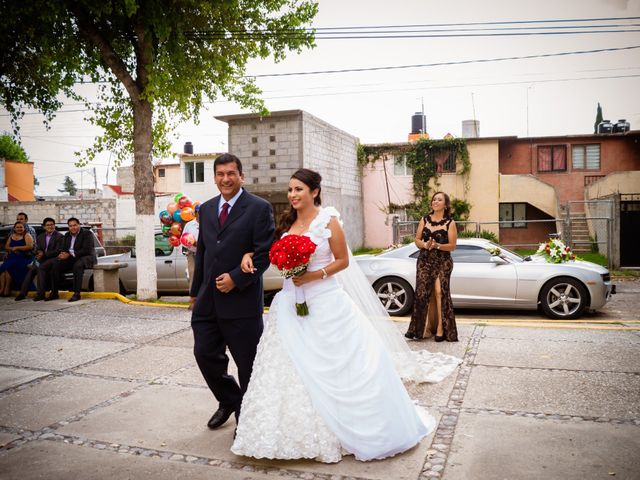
(605, 126)
(188, 148)
(622, 126)
(470, 128)
(418, 123)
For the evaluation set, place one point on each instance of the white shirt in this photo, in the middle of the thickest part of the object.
(231, 202)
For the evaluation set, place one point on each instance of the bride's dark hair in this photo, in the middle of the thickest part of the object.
(312, 180)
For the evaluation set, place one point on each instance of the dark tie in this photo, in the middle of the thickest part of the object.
(224, 214)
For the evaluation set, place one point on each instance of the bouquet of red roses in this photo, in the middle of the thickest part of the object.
(292, 254)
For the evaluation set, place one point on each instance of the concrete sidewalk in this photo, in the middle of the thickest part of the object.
(100, 389)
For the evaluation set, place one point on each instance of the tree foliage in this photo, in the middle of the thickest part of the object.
(12, 150)
(68, 186)
(599, 118)
(155, 62)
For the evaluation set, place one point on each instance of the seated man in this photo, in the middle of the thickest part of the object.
(78, 253)
(48, 247)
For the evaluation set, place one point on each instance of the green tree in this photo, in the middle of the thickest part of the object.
(12, 150)
(156, 62)
(598, 119)
(68, 186)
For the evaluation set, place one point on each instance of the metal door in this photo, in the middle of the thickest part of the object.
(629, 230)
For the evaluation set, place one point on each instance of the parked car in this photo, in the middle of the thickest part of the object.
(483, 280)
(171, 266)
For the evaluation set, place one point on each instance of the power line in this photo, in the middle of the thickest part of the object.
(459, 62)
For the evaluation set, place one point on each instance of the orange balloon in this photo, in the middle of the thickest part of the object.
(187, 214)
(176, 229)
(172, 207)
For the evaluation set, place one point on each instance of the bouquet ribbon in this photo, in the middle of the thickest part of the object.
(302, 309)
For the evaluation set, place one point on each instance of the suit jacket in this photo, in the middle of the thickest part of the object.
(82, 248)
(54, 247)
(249, 228)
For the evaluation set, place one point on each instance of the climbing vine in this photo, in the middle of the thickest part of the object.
(424, 157)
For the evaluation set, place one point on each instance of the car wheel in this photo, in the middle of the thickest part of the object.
(395, 294)
(563, 298)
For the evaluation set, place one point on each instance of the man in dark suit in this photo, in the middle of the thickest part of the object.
(48, 247)
(227, 303)
(78, 252)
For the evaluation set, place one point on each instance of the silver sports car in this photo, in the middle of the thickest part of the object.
(481, 279)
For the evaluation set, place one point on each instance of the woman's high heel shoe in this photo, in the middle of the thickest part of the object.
(439, 338)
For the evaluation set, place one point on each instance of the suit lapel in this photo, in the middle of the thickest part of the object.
(236, 212)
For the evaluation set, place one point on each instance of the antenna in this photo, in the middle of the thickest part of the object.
(475, 123)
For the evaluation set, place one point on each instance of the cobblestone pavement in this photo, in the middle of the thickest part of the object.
(100, 389)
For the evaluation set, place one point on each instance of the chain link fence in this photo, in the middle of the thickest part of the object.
(589, 229)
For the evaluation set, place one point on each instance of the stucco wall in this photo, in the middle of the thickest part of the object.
(619, 182)
(172, 180)
(378, 232)
(18, 177)
(529, 189)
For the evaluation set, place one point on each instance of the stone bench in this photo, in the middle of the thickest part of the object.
(106, 277)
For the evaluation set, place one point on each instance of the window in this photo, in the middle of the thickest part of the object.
(470, 254)
(552, 158)
(255, 179)
(272, 152)
(254, 153)
(514, 214)
(255, 166)
(272, 166)
(585, 157)
(161, 172)
(449, 165)
(193, 172)
(254, 139)
(273, 179)
(272, 138)
(400, 167)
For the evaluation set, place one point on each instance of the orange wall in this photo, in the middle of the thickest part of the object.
(19, 180)
(617, 153)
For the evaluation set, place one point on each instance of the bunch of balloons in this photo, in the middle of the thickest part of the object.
(173, 219)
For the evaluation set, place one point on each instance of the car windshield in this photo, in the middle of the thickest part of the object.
(508, 254)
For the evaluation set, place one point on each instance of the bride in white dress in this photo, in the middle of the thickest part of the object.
(326, 384)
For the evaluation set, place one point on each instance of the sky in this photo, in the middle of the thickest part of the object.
(544, 96)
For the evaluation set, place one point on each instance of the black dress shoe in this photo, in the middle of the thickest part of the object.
(220, 417)
(19, 297)
(52, 297)
(75, 297)
(38, 298)
(409, 335)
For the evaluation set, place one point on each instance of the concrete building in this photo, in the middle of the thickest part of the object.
(196, 175)
(167, 178)
(272, 148)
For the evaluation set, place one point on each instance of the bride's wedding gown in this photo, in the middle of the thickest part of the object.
(323, 385)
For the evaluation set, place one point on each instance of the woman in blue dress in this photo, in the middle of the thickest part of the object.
(14, 268)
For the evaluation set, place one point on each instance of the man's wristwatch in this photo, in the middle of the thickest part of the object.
(324, 273)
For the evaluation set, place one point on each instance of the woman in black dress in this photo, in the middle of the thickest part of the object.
(433, 310)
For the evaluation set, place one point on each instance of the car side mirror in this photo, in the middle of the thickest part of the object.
(498, 260)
